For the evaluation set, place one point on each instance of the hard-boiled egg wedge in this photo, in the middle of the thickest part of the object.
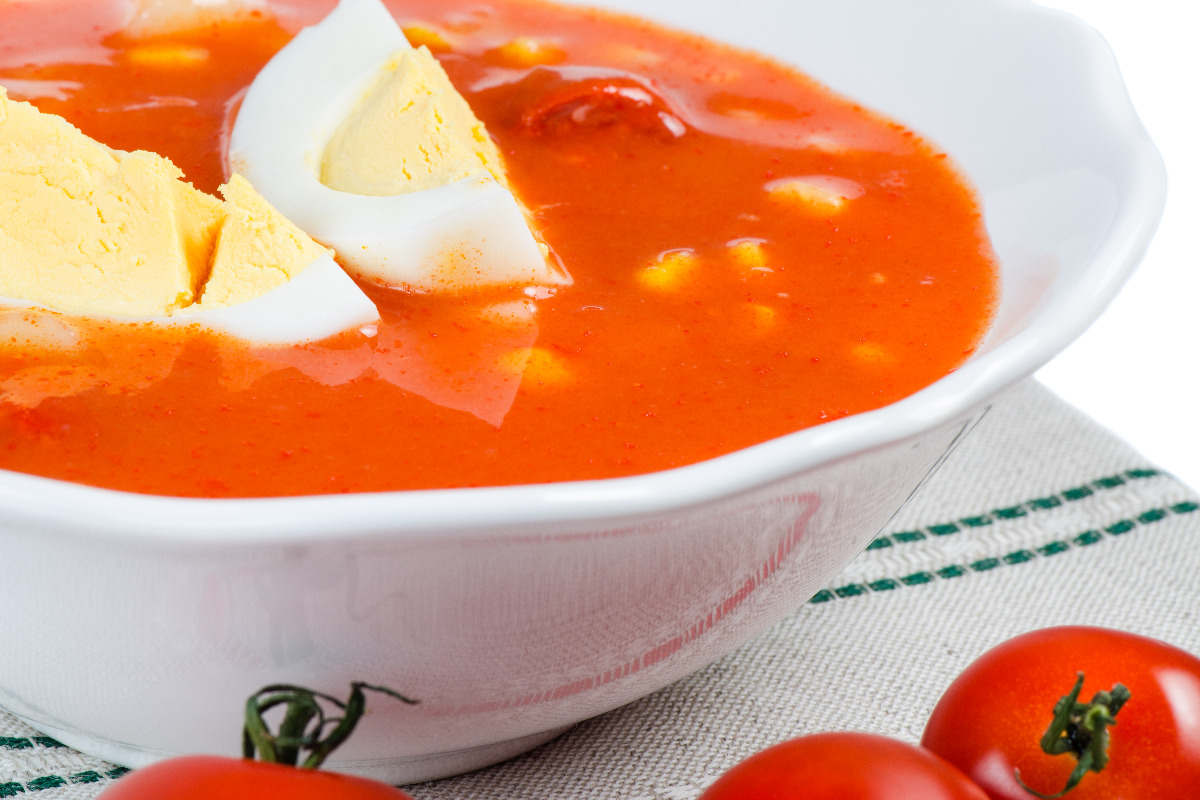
(361, 140)
(319, 302)
(91, 232)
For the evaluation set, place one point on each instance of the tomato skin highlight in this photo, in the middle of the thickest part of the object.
(222, 778)
(843, 766)
(991, 718)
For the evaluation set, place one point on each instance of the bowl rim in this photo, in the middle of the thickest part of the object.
(60, 507)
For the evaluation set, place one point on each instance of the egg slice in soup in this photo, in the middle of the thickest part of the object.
(362, 141)
(91, 232)
(321, 301)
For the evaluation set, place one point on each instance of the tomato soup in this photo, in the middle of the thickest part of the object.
(751, 255)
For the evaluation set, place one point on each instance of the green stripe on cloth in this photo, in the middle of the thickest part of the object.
(1017, 557)
(44, 782)
(28, 742)
(1016, 512)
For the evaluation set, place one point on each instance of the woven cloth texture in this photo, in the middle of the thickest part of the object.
(1035, 509)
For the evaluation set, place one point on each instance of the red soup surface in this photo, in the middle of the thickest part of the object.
(717, 300)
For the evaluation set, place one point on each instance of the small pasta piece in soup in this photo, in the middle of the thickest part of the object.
(670, 272)
(527, 51)
(167, 56)
(749, 254)
(819, 194)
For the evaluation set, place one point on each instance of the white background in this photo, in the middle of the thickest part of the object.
(1137, 369)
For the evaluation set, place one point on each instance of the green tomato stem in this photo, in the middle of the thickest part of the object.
(305, 727)
(1080, 729)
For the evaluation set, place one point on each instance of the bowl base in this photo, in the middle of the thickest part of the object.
(396, 771)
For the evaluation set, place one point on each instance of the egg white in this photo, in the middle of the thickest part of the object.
(319, 302)
(287, 117)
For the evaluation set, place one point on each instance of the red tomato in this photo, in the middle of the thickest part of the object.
(843, 766)
(991, 719)
(220, 778)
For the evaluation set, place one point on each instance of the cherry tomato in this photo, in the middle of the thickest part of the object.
(990, 721)
(221, 778)
(843, 766)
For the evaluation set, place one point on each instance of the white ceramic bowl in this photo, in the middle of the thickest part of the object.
(134, 627)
